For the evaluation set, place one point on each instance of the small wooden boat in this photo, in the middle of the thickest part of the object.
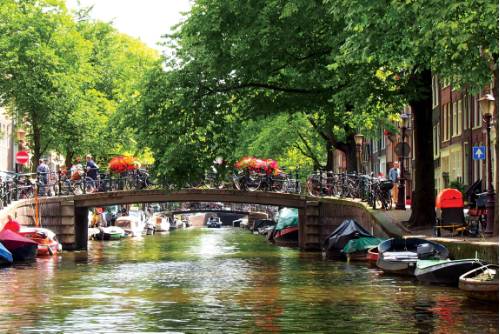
(399, 256)
(481, 283)
(5, 256)
(110, 233)
(22, 249)
(372, 254)
(214, 222)
(444, 271)
(45, 238)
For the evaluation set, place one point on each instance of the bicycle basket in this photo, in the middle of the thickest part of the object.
(386, 185)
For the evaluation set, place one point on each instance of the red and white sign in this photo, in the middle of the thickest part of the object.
(22, 157)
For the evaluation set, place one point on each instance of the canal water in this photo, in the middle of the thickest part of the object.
(223, 281)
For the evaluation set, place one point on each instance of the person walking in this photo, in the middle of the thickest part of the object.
(394, 174)
(43, 176)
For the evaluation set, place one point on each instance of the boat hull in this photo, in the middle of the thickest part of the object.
(372, 254)
(5, 256)
(397, 267)
(447, 273)
(485, 290)
(288, 237)
(357, 256)
(25, 252)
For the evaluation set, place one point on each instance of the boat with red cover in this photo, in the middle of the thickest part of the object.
(22, 249)
(289, 236)
(45, 238)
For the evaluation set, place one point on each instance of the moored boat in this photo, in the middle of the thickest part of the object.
(357, 249)
(132, 225)
(110, 233)
(444, 271)
(5, 256)
(400, 255)
(335, 245)
(45, 238)
(481, 283)
(286, 231)
(22, 249)
(372, 254)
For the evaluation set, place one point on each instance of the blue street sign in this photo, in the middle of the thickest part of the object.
(479, 152)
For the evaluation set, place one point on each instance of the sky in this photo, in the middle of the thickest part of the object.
(147, 20)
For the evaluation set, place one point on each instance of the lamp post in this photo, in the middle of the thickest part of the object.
(487, 105)
(358, 139)
(403, 123)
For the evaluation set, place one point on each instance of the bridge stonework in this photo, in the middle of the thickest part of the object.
(67, 216)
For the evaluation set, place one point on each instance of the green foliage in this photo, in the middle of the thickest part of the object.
(457, 184)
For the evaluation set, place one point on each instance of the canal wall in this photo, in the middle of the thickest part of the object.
(56, 214)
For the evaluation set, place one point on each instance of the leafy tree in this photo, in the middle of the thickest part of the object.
(43, 64)
(238, 61)
(411, 39)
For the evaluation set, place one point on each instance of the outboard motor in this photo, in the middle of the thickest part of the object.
(425, 251)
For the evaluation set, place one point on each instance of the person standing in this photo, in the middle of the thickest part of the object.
(92, 168)
(394, 174)
(43, 176)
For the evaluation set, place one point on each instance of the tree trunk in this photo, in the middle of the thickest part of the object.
(495, 117)
(349, 149)
(423, 212)
(69, 158)
(37, 154)
(330, 150)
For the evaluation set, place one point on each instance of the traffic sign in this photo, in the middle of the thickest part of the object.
(22, 157)
(402, 150)
(479, 152)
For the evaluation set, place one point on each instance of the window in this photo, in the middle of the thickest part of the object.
(435, 91)
(476, 112)
(454, 130)
(459, 117)
(446, 122)
(436, 141)
(466, 108)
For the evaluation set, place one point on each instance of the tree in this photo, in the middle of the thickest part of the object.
(411, 39)
(43, 62)
(241, 61)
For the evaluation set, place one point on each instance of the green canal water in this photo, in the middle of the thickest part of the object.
(223, 281)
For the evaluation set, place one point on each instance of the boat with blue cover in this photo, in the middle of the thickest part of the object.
(5, 256)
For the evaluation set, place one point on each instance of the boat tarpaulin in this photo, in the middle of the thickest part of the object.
(287, 217)
(12, 240)
(361, 244)
(349, 229)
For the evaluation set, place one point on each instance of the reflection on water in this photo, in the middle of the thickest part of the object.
(227, 280)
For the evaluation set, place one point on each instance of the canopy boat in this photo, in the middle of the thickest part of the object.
(357, 249)
(286, 232)
(444, 271)
(161, 223)
(214, 222)
(399, 256)
(372, 254)
(348, 231)
(22, 249)
(45, 238)
(481, 283)
(132, 225)
(5, 256)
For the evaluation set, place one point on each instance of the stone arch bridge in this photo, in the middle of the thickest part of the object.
(67, 216)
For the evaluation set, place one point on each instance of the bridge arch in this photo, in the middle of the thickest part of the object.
(68, 215)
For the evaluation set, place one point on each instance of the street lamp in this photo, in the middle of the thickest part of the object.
(487, 106)
(403, 124)
(358, 139)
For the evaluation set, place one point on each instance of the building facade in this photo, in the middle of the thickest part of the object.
(7, 141)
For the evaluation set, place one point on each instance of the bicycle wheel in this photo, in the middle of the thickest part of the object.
(89, 185)
(252, 182)
(312, 187)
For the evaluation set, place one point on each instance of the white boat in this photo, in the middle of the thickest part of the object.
(160, 223)
(132, 225)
